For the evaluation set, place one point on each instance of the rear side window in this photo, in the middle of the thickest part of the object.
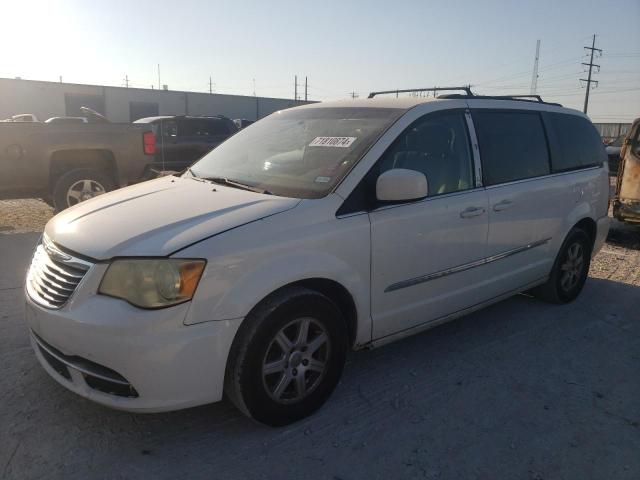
(577, 143)
(203, 127)
(513, 146)
(218, 127)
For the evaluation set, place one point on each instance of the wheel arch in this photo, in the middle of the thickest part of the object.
(64, 161)
(589, 226)
(335, 291)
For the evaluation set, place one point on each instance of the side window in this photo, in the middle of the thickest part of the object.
(218, 127)
(577, 140)
(513, 146)
(169, 128)
(204, 127)
(438, 146)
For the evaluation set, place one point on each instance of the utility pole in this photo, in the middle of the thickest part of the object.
(590, 65)
(210, 85)
(305, 88)
(126, 81)
(534, 78)
(354, 95)
(254, 87)
(159, 85)
(295, 87)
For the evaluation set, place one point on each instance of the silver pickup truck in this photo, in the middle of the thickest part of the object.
(67, 163)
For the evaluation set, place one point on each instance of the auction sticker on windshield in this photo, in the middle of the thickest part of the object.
(342, 142)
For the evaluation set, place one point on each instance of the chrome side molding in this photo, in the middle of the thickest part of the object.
(461, 268)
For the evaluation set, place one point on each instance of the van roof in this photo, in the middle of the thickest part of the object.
(406, 103)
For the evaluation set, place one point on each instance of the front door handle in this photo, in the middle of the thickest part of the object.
(472, 212)
(503, 205)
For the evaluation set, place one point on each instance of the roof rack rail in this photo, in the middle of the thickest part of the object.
(519, 98)
(466, 89)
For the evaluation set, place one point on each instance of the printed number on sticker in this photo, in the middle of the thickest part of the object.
(342, 142)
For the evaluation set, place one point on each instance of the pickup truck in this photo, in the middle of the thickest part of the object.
(183, 139)
(67, 163)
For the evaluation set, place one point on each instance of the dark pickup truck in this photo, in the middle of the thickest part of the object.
(65, 164)
(183, 139)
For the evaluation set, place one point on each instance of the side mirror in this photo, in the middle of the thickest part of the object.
(400, 184)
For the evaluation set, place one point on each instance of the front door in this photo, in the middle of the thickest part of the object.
(425, 254)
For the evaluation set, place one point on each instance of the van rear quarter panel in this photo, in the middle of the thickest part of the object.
(248, 263)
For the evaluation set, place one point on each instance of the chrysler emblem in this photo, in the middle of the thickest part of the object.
(53, 252)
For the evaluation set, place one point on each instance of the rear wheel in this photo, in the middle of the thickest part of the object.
(570, 270)
(287, 357)
(79, 185)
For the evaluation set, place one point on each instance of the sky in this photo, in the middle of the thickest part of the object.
(340, 46)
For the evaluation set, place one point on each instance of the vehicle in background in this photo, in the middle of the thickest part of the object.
(183, 139)
(67, 163)
(626, 203)
(613, 152)
(23, 117)
(66, 120)
(242, 123)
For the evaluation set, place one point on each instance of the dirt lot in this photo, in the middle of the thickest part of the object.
(520, 390)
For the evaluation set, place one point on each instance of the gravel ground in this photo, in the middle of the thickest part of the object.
(20, 216)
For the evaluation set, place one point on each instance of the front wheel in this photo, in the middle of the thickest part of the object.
(570, 270)
(287, 357)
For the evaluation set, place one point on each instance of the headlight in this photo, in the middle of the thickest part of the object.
(152, 283)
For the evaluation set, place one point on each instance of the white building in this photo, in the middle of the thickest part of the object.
(119, 104)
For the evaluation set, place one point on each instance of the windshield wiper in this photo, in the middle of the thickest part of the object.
(236, 184)
(194, 176)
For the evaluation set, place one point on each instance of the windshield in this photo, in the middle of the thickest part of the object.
(301, 153)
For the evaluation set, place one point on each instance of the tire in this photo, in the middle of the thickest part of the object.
(275, 398)
(78, 185)
(570, 270)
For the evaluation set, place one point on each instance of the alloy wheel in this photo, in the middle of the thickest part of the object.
(296, 360)
(83, 190)
(572, 267)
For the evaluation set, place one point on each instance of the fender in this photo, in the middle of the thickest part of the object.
(257, 259)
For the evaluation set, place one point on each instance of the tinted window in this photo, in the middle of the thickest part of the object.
(169, 128)
(512, 146)
(438, 146)
(203, 127)
(577, 141)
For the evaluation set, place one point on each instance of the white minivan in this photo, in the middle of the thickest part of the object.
(318, 229)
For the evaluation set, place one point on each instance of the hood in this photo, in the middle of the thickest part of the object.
(158, 217)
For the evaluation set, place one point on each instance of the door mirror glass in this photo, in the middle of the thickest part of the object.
(401, 184)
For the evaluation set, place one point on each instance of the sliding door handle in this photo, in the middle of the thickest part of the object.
(503, 205)
(472, 212)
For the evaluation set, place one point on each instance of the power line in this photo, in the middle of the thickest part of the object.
(590, 65)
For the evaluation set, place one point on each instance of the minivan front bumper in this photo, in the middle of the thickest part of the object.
(132, 359)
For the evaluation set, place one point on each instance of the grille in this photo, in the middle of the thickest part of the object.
(54, 275)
